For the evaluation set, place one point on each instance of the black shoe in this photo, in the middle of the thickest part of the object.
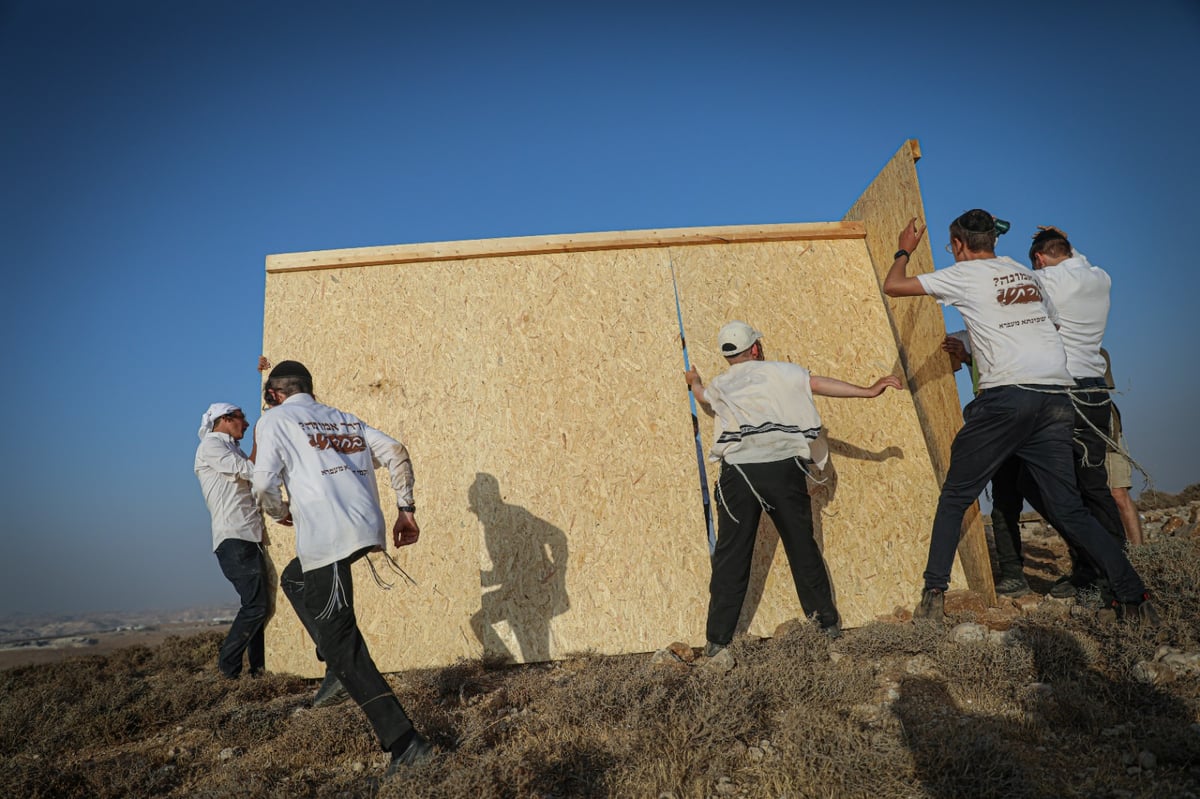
(1063, 588)
(711, 649)
(834, 631)
(417, 752)
(1139, 613)
(933, 604)
(1013, 587)
(331, 692)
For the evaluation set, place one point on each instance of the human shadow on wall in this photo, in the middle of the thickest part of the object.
(1066, 705)
(527, 584)
(822, 488)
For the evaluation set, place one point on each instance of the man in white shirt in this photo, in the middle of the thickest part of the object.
(225, 473)
(767, 429)
(1022, 409)
(1080, 293)
(327, 458)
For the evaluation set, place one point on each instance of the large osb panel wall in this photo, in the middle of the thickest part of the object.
(542, 398)
(817, 303)
(520, 387)
(892, 199)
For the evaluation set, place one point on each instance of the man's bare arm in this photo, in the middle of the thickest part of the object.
(898, 283)
(695, 384)
(832, 387)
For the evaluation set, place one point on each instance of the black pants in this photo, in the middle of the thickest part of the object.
(1012, 484)
(242, 564)
(1007, 502)
(1035, 426)
(324, 601)
(1093, 410)
(782, 486)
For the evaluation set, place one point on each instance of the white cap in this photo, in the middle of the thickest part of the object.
(736, 337)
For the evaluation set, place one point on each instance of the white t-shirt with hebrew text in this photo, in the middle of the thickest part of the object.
(1010, 320)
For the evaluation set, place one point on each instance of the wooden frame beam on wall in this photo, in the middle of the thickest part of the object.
(573, 242)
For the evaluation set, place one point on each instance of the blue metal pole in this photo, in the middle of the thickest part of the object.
(704, 496)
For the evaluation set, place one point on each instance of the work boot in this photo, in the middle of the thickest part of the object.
(331, 692)
(1013, 587)
(711, 649)
(933, 604)
(417, 752)
(1139, 613)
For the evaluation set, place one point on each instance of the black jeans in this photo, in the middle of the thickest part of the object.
(1093, 411)
(324, 601)
(1007, 502)
(783, 486)
(242, 564)
(1036, 426)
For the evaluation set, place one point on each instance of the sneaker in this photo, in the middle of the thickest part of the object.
(1063, 588)
(711, 649)
(417, 752)
(1140, 613)
(933, 604)
(331, 692)
(834, 631)
(1013, 587)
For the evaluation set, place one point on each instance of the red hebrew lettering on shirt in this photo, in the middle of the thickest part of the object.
(1017, 295)
(345, 444)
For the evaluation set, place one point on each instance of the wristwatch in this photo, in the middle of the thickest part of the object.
(905, 253)
(407, 508)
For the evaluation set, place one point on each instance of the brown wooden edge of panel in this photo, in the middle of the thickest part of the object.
(972, 546)
(576, 242)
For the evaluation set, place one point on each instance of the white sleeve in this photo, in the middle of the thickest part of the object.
(943, 285)
(387, 451)
(1051, 308)
(268, 471)
(225, 460)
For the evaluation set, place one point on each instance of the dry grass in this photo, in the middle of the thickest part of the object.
(1152, 499)
(890, 710)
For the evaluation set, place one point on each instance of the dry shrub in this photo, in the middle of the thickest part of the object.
(881, 639)
(1153, 499)
(1171, 570)
(957, 753)
(889, 710)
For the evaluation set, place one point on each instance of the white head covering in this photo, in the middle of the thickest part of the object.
(215, 412)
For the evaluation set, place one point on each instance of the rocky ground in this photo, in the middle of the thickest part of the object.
(1046, 560)
(1035, 697)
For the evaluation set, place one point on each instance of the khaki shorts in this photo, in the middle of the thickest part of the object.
(1120, 472)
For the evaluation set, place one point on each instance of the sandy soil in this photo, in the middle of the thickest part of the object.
(106, 643)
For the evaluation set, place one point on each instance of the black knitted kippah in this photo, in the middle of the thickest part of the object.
(977, 220)
(290, 369)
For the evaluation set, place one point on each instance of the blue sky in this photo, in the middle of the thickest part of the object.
(152, 153)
